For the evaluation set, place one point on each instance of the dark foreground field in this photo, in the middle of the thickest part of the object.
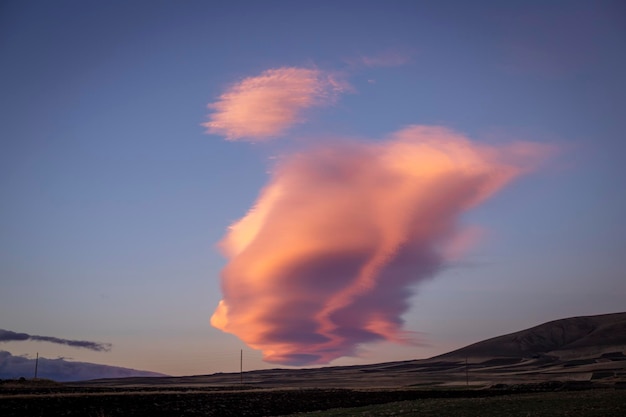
(178, 401)
(546, 404)
(572, 367)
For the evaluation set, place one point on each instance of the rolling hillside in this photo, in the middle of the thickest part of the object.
(571, 337)
(581, 350)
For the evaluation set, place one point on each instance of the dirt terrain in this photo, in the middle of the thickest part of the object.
(66, 400)
(555, 361)
(542, 399)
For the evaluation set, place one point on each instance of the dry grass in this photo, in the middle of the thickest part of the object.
(110, 402)
(593, 403)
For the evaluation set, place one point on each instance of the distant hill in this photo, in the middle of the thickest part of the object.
(590, 349)
(580, 350)
(575, 336)
(61, 370)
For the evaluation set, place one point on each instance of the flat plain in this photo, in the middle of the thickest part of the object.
(571, 367)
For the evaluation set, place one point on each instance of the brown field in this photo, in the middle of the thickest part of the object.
(572, 367)
(531, 400)
(496, 387)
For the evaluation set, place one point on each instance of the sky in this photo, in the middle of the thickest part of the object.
(310, 182)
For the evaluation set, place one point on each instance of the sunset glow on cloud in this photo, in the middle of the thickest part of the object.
(263, 107)
(327, 257)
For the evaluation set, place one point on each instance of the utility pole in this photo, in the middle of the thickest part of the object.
(36, 365)
(241, 367)
(466, 373)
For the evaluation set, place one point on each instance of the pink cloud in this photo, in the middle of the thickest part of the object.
(263, 107)
(327, 257)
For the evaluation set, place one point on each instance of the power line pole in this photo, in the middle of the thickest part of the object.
(241, 367)
(466, 373)
(36, 365)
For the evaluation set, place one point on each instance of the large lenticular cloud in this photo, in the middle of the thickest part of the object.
(263, 107)
(326, 258)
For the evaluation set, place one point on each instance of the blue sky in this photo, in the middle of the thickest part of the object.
(114, 196)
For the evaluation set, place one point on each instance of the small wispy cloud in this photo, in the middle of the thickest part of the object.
(388, 58)
(10, 336)
(263, 107)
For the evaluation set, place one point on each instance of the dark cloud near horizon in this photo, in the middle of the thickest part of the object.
(10, 336)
